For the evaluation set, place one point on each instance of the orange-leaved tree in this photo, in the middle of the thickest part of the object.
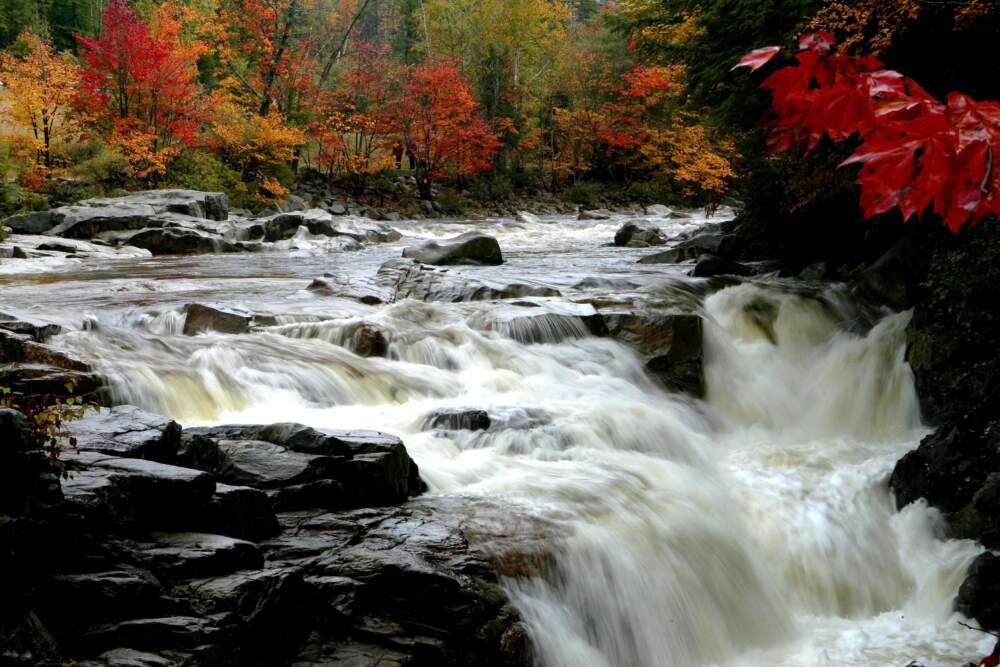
(139, 91)
(352, 123)
(440, 122)
(40, 84)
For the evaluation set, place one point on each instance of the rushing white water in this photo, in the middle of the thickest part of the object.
(754, 528)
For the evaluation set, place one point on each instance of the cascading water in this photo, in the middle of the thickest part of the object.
(752, 528)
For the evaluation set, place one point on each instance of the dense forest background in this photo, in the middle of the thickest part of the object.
(481, 99)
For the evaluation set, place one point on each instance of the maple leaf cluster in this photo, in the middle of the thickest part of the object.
(916, 154)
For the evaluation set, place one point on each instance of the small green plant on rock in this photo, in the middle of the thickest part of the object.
(49, 419)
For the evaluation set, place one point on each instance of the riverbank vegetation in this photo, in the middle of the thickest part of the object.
(490, 97)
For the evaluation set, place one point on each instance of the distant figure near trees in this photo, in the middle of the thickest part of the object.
(397, 151)
(411, 156)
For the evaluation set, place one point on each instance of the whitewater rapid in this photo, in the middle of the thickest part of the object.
(751, 528)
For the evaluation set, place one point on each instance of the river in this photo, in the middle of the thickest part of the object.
(751, 528)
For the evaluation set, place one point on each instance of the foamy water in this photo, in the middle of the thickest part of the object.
(754, 528)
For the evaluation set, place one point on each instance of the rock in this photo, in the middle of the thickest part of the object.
(468, 248)
(713, 265)
(948, 467)
(200, 318)
(21, 348)
(179, 241)
(428, 207)
(895, 278)
(596, 214)
(337, 208)
(179, 556)
(369, 468)
(672, 344)
(457, 420)
(35, 381)
(321, 223)
(658, 210)
(38, 331)
(637, 235)
(37, 222)
(126, 657)
(526, 217)
(100, 597)
(980, 519)
(407, 279)
(349, 288)
(268, 604)
(135, 492)
(173, 632)
(979, 595)
(86, 222)
(56, 247)
(27, 482)
(206, 205)
(707, 243)
(128, 431)
(366, 340)
(240, 511)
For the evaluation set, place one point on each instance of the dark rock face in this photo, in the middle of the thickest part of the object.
(457, 420)
(25, 479)
(672, 343)
(979, 595)
(637, 235)
(31, 223)
(180, 241)
(468, 248)
(152, 564)
(948, 467)
(407, 279)
(980, 519)
(347, 468)
(128, 431)
(713, 265)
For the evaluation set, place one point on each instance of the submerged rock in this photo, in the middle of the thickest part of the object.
(457, 420)
(468, 248)
(407, 279)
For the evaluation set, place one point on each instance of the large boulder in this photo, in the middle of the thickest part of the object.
(87, 222)
(713, 265)
(135, 492)
(128, 431)
(715, 242)
(948, 467)
(200, 318)
(979, 595)
(37, 222)
(181, 241)
(468, 248)
(407, 279)
(639, 235)
(331, 468)
(672, 344)
(206, 205)
(280, 226)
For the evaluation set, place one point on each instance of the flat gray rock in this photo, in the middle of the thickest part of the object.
(128, 431)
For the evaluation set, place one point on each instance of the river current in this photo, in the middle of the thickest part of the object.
(752, 528)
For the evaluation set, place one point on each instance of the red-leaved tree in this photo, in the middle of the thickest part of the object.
(440, 122)
(915, 153)
(138, 88)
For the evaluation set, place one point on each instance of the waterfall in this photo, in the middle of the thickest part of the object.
(752, 528)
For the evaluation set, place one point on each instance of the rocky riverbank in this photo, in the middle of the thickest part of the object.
(244, 545)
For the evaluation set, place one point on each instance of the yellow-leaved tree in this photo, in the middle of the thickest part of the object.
(40, 85)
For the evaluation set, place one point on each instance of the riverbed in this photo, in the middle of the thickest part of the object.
(753, 527)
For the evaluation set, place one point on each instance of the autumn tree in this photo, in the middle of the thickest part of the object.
(440, 122)
(353, 124)
(40, 84)
(138, 88)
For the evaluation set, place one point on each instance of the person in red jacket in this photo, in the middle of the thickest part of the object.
(397, 151)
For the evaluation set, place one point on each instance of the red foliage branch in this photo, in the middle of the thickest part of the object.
(916, 154)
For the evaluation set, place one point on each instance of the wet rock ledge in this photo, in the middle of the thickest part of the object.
(241, 545)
